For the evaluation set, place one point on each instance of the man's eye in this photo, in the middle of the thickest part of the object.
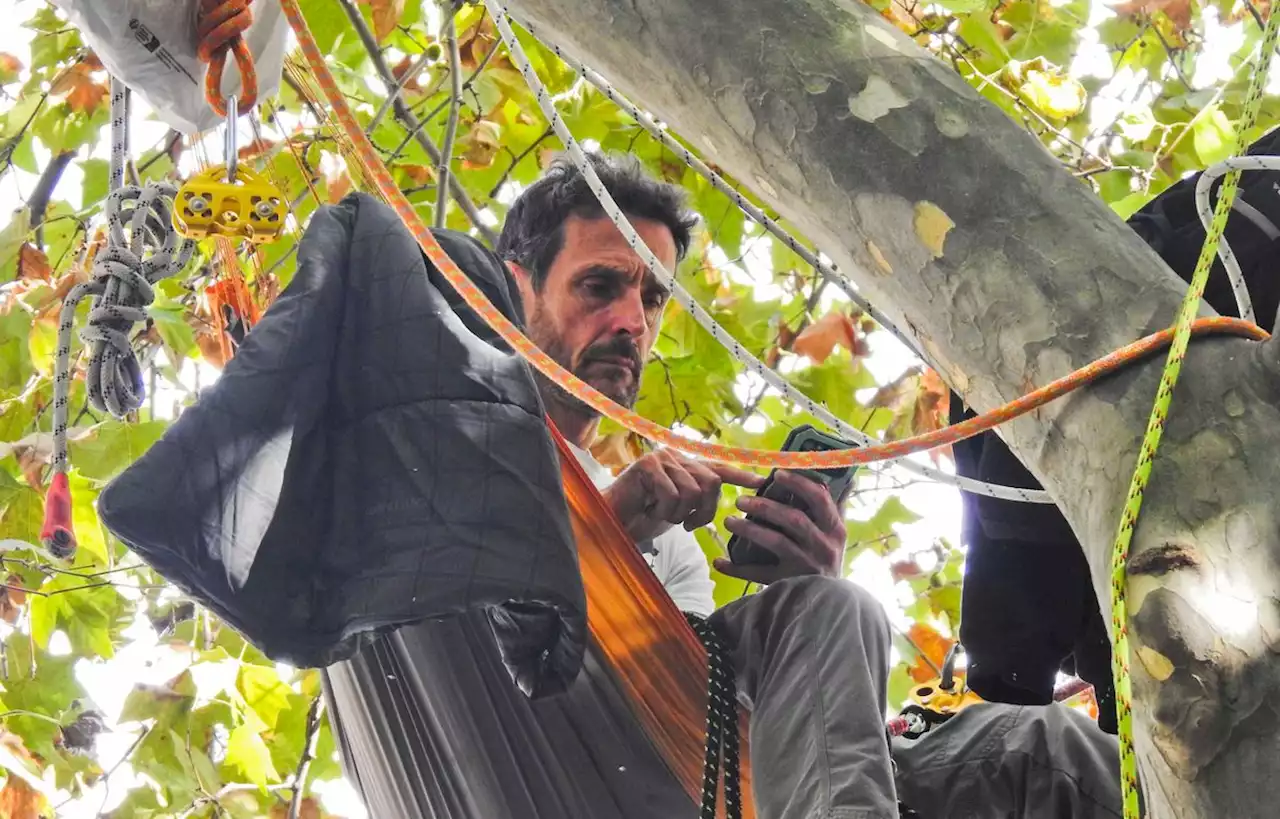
(655, 301)
(597, 287)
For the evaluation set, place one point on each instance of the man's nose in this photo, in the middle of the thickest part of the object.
(629, 316)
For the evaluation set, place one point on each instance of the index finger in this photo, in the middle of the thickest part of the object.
(736, 476)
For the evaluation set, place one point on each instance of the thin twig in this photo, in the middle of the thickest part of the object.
(409, 76)
(451, 127)
(406, 117)
(411, 135)
(309, 742)
(517, 159)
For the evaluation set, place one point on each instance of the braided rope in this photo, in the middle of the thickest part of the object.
(373, 170)
(1155, 426)
(722, 725)
(121, 286)
(220, 27)
(1205, 210)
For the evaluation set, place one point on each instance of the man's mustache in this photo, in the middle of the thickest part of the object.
(617, 348)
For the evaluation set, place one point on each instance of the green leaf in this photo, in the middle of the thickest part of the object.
(163, 703)
(171, 323)
(1214, 137)
(95, 181)
(42, 342)
(11, 238)
(44, 618)
(15, 360)
(21, 510)
(263, 691)
(899, 688)
(250, 756)
(112, 446)
(90, 539)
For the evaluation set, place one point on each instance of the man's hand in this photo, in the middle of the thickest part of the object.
(665, 488)
(806, 543)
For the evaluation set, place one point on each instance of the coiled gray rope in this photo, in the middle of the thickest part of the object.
(121, 286)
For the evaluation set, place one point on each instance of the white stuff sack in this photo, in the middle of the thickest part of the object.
(150, 45)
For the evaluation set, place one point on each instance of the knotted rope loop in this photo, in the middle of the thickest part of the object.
(220, 27)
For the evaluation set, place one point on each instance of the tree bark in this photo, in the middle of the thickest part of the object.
(1007, 273)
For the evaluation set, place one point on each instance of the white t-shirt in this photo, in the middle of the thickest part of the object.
(675, 556)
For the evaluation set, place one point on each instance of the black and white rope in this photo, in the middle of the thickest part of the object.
(722, 725)
(123, 273)
(700, 315)
(1204, 209)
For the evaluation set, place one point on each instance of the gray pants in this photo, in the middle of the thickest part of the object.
(812, 656)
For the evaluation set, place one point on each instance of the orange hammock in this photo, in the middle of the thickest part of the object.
(657, 658)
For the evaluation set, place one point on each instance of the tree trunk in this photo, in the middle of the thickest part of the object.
(1007, 273)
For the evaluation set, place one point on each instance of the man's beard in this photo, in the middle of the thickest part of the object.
(542, 334)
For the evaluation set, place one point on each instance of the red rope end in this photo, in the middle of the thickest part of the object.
(58, 533)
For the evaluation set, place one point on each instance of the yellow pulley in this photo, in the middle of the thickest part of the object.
(227, 200)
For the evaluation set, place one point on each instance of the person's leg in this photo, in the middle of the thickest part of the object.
(995, 761)
(812, 656)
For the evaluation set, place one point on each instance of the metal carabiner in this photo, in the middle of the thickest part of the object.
(231, 152)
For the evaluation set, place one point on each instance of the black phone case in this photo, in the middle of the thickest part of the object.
(743, 552)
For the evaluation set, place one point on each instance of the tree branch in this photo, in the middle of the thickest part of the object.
(406, 117)
(517, 159)
(39, 201)
(451, 127)
(311, 738)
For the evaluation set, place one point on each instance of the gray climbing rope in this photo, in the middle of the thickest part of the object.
(141, 248)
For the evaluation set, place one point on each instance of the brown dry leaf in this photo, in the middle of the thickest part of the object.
(12, 598)
(83, 93)
(476, 42)
(895, 393)
(308, 808)
(617, 451)
(91, 60)
(818, 340)
(927, 639)
(211, 348)
(400, 69)
(33, 263)
(19, 798)
(1178, 11)
(932, 410)
(482, 144)
(419, 174)
(386, 16)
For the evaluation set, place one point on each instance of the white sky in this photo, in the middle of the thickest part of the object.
(142, 660)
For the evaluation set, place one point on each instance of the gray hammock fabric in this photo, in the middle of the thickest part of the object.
(430, 726)
(369, 459)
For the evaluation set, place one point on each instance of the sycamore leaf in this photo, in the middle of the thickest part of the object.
(481, 143)
(248, 754)
(10, 67)
(617, 450)
(263, 691)
(33, 263)
(386, 16)
(819, 340)
(18, 800)
(1214, 137)
(159, 702)
(113, 445)
(419, 174)
(1178, 11)
(83, 93)
(1046, 87)
(933, 645)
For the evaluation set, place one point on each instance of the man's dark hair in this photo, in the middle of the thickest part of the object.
(534, 230)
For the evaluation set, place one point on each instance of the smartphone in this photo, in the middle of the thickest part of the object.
(805, 438)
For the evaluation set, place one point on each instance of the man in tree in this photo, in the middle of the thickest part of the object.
(810, 650)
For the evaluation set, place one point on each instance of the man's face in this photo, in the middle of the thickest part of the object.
(598, 310)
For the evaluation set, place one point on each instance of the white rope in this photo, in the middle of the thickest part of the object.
(1204, 208)
(686, 300)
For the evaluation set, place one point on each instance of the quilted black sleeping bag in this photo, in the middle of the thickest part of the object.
(371, 457)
